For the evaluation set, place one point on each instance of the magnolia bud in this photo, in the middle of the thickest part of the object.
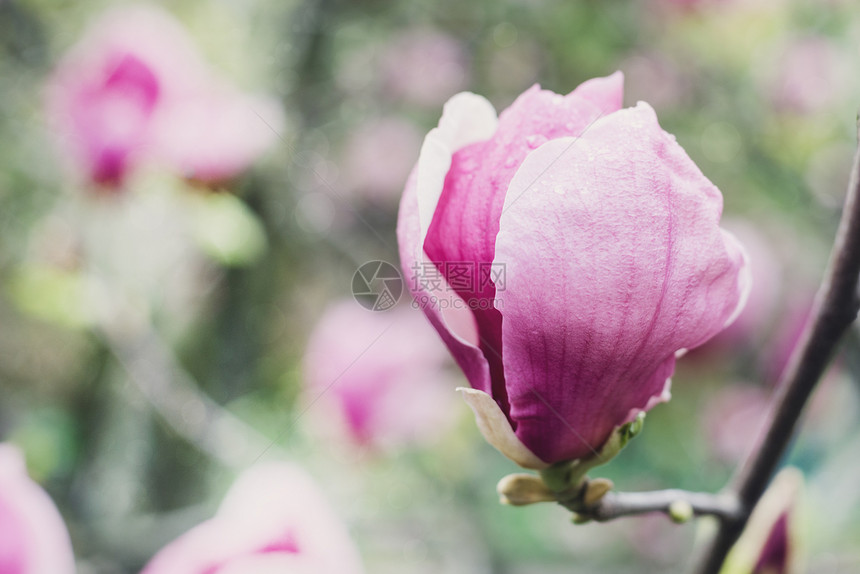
(523, 489)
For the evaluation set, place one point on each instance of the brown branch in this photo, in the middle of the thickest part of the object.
(835, 309)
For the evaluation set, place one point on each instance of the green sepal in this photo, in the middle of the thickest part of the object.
(566, 482)
(567, 478)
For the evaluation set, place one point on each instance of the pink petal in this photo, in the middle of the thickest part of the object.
(769, 542)
(615, 261)
(33, 537)
(273, 515)
(467, 118)
(215, 132)
(605, 93)
(276, 564)
(462, 342)
(465, 221)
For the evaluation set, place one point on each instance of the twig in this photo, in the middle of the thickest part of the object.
(835, 309)
(616, 504)
(176, 397)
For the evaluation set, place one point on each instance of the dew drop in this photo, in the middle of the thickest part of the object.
(511, 161)
(535, 141)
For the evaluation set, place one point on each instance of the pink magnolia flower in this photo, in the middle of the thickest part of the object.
(378, 378)
(135, 89)
(768, 544)
(272, 520)
(595, 256)
(33, 538)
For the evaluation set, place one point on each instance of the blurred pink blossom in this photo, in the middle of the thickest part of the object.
(775, 555)
(134, 89)
(769, 543)
(811, 73)
(379, 376)
(424, 67)
(392, 139)
(33, 537)
(734, 418)
(274, 519)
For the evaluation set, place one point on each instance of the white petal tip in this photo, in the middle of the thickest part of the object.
(496, 429)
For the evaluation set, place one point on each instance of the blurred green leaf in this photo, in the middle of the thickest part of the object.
(226, 230)
(51, 294)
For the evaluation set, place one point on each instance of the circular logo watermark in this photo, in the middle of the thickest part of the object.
(377, 285)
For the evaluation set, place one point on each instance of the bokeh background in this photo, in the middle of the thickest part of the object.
(159, 336)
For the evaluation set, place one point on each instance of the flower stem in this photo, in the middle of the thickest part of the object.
(617, 504)
(835, 309)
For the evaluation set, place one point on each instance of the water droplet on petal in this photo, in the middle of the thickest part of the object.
(511, 161)
(535, 141)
